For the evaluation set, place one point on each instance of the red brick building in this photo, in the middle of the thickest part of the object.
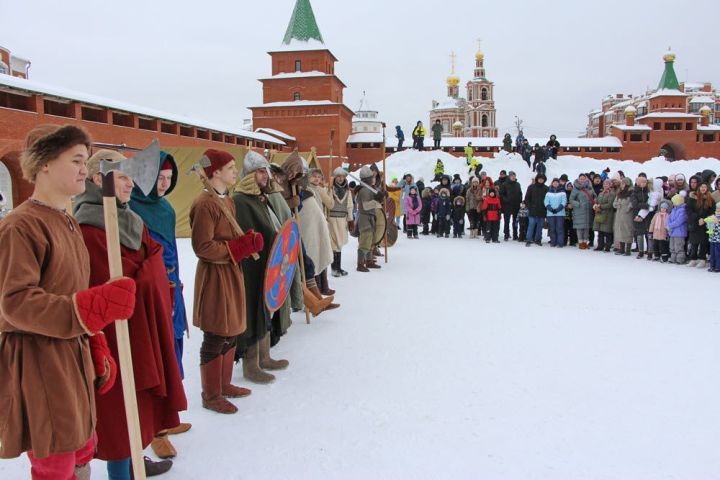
(303, 98)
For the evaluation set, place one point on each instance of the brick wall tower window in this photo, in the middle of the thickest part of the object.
(296, 96)
(484, 121)
(298, 65)
(484, 94)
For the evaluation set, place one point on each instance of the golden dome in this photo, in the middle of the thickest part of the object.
(706, 111)
(669, 56)
(479, 55)
(630, 110)
(453, 81)
(458, 125)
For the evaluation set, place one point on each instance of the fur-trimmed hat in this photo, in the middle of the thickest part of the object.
(445, 191)
(218, 159)
(459, 200)
(666, 204)
(46, 142)
(254, 161)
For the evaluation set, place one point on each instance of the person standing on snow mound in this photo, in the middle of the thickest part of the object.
(418, 135)
(368, 203)
(219, 280)
(159, 218)
(340, 219)
(507, 143)
(400, 135)
(553, 147)
(437, 131)
(53, 355)
(254, 212)
(158, 387)
(439, 170)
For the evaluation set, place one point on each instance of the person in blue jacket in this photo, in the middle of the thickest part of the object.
(555, 202)
(400, 137)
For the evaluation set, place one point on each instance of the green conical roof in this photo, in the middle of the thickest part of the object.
(302, 24)
(669, 80)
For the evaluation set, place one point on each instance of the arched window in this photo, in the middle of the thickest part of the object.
(484, 94)
(484, 120)
(296, 96)
(470, 93)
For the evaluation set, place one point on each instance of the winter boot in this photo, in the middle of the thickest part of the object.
(640, 255)
(181, 428)
(228, 389)
(210, 378)
(376, 252)
(153, 468)
(621, 250)
(361, 262)
(162, 447)
(650, 256)
(372, 263)
(323, 284)
(335, 266)
(251, 366)
(312, 303)
(266, 362)
(316, 292)
(628, 249)
(701, 264)
(339, 264)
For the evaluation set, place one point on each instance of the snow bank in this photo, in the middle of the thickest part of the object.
(422, 165)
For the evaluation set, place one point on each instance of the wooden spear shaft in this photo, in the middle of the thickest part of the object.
(385, 200)
(112, 238)
(296, 215)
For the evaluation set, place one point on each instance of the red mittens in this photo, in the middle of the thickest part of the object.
(103, 304)
(105, 366)
(243, 247)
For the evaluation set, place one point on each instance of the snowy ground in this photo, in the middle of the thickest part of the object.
(466, 360)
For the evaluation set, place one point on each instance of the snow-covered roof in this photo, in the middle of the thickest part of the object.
(709, 128)
(642, 104)
(313, 73)
(669, 115)
(446, 104)
(299, 103)
(702, 99)
(366, 137)
(597, 115)
(302, 46)
(276, 133)
(498, 141)
(667, 92)
(357, 119)
(637, 126)
(32, 86)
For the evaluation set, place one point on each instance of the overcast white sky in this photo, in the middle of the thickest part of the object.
(551, 61)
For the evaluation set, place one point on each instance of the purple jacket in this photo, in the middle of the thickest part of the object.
(677, 222)
(412, 215)
(434, 203)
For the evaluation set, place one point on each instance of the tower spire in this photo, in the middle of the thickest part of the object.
(669, 80)
(302, 26)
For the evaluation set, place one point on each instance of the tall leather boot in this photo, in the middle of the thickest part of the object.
(267, 362)
(315, 306)
(361, 262)
(228, 389)
(251, 366)
(323, 284)
(335, 266)
(316, 291)
(210, 378)
(339, 264)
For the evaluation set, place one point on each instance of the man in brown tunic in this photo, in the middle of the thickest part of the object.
(219, 309)
(52, 353)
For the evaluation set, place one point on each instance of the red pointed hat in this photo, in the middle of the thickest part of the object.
(218, 159)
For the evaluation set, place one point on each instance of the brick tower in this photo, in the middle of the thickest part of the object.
(480, 108)
(304, 97)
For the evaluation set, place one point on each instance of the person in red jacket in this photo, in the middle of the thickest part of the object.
(491, 211)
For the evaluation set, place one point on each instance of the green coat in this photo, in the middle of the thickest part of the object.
(605, 216)
(437, 131)
(252, 212)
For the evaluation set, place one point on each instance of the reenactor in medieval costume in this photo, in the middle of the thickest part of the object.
(314, 227)
(159, 390)
(254, 212)
(219, 307)
(53, 353)
(368, 205)
(340, 218)
(159, 218)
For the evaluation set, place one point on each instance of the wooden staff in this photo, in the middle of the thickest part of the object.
(296, 215)
(112, 237)
(385, 200)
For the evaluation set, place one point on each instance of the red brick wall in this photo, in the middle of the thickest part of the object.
(310, 88)
(314, 60)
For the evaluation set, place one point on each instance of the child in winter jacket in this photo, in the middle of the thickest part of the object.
(677, 227)
(523, 220)
(458, 216)
(491, 210)
(413, 206)
(426, 212)
(659, 231)
(713, 227)
(444, 213)
(434, 202)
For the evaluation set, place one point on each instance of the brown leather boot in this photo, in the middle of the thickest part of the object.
(315, 305)
(316, 291)
(372, 264)
(210, 377)
(251, 366)
(162, 447)
(324, 285)
(228, 389)
(266, 362)
(181, 428)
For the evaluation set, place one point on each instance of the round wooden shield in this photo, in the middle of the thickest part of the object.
(281, 266)
(380, 228)
(391, 235)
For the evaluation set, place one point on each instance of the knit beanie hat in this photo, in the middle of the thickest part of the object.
(678, 199)
(218, 159)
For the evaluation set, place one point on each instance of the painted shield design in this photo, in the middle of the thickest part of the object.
(281, 266)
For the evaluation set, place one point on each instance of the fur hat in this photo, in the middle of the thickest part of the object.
(678, 199)
(365, 173)
(340, 172)
(445, 191)
(46, 142)
(254, 161)
(218, 159)
(93, 164)
(666, 204)
(512, 174)
(459, 200)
